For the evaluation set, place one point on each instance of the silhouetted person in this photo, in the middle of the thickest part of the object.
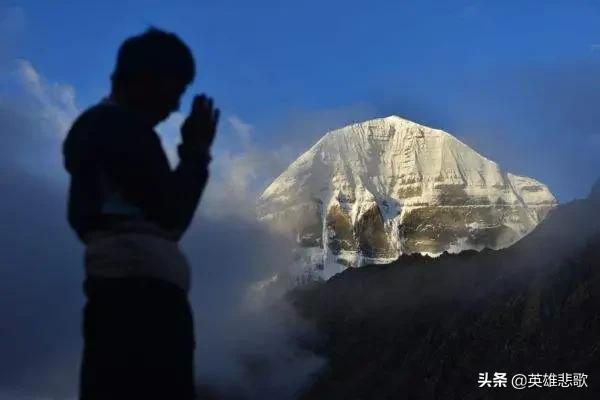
(130, 210)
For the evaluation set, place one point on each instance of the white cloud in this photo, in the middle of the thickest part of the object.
(35, 115)
(241, 128)
(235, 173)
(57, 101)
(237, 177)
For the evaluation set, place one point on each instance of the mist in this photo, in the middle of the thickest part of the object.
(246, 333)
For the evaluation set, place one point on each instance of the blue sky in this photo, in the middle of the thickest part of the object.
(260, 58)
(476, 69)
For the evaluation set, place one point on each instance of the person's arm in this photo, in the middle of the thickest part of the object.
(137, 165)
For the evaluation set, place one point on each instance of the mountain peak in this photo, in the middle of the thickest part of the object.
(390, 120)
(373, 190)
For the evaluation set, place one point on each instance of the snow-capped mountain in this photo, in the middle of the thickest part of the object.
(368, 192)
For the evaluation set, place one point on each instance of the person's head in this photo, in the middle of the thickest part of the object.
(152, 71)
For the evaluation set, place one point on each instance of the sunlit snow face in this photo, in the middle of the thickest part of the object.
(368, 192)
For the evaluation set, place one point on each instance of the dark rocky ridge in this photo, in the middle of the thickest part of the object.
(423, 328)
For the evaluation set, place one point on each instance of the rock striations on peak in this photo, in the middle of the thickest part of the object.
(371, 191)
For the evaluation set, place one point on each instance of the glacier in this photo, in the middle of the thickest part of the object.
(371, 191)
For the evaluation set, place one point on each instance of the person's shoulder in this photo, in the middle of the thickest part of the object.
(106, 122)
(105, 115)
(79, 141)
(98, 126)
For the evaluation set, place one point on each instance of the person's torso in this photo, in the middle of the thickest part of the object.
(120, 239)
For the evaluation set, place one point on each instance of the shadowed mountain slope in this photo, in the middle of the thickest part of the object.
(424, 328)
